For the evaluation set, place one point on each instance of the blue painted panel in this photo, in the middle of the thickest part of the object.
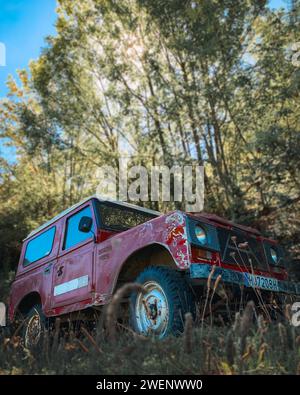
(239, 278)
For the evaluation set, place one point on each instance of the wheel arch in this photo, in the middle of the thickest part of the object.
(155, 254)
(28, 301)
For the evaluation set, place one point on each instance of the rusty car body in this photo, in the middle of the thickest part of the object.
(77, 260)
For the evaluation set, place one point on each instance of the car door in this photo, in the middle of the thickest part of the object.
(73, 271)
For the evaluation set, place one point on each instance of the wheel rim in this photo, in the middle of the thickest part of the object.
(152, 310)
(33, 331)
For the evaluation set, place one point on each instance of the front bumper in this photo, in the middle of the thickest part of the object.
(2, 314)
(202, 271)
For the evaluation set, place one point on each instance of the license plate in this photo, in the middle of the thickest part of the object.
(255, 281)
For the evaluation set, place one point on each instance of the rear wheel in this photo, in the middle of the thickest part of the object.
(34, 327)
(161, 309)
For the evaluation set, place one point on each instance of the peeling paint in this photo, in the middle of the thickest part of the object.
(103, 260)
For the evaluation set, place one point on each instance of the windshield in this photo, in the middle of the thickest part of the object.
(114, 216)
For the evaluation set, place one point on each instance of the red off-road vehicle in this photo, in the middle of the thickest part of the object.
(76, 261)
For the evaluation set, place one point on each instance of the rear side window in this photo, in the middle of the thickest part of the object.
(73, 235)
(39, 247)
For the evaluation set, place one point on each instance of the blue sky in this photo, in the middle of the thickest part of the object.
(23, 26)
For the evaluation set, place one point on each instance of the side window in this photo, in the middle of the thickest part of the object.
(39, 247)
(73, 235)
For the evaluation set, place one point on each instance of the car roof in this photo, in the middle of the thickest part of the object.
(97, 197)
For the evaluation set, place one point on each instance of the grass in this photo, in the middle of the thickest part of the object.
(248, 346)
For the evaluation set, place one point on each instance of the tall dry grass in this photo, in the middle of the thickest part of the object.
(249, 345)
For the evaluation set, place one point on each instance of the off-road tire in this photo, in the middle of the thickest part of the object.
(178, 294)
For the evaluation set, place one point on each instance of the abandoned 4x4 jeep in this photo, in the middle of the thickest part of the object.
(76, 261)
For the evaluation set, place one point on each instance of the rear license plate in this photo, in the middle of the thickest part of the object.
(255, 281)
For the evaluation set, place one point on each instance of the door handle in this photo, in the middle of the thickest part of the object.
(48, 269)
(60, 271)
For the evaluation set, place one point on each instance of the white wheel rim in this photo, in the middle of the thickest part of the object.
(152, 310)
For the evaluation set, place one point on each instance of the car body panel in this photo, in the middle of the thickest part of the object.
(86, 274)
(167, 231)
(72, 274)
(90, 270)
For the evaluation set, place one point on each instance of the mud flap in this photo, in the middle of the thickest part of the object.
(2, 314)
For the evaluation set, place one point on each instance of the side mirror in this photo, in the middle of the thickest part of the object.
(85, 224)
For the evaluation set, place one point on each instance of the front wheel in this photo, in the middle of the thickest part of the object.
(161, 309)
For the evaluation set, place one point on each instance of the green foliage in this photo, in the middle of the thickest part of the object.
(159, 82)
